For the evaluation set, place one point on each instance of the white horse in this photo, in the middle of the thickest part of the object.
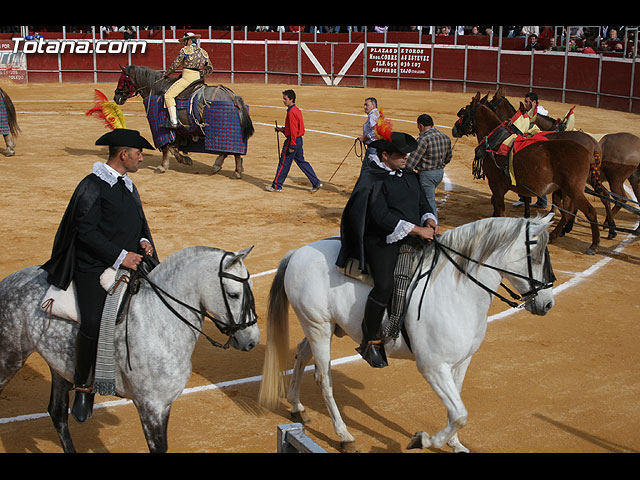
(443, 334)
(152, 345)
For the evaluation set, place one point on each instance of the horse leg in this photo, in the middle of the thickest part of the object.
(321, 349)
(59, 410)
(11, 145)
(164, 165)
(239, 168)
(154, 419)
(184, 159)
(443, 380)
(303, 355)
(458, 376)
(217, 165)
(585, 207)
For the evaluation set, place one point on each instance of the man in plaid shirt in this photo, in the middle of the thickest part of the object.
(430, 158)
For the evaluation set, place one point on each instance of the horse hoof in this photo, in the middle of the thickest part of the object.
(591, 250)
(419, 440)
(159, 170)
(188, 161)
(236, 175)
(215, 169)
(349, 447)
(300, 417)
(9, 152)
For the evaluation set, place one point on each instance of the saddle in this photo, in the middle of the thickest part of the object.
(409, 258)
(506, 140)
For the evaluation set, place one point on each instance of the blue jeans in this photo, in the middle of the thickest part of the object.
(542, 201)
(430, 179)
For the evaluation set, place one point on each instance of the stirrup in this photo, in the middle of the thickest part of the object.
(373, 353)
(82, 409)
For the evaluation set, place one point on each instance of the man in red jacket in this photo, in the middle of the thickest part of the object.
(292, 150)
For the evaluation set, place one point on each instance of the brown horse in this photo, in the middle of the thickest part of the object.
(620, 160)
(541, 168)
(620, 152)
(12, 129)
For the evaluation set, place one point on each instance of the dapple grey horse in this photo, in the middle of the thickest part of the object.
(153, 347)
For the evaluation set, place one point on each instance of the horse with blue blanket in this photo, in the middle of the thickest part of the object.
(8, 123)
(213, 119)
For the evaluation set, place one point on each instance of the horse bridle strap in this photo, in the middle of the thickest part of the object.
(224, 328)
(536, 285)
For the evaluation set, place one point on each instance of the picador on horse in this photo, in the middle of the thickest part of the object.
(195, 65)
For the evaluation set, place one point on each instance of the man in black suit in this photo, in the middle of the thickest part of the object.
(387, 207)
(103, 226)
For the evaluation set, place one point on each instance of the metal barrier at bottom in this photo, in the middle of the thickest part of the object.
(292, 439)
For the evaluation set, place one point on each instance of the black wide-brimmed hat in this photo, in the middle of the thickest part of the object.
(123, 137)
(400, 143)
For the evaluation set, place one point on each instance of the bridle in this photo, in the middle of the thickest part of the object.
(126, 87)
(229, 329)
(535, 285)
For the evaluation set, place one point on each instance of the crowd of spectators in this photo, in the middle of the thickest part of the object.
(580, 39)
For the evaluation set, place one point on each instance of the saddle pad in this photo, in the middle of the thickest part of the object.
(352, 270)
(223, 132)
(157, 116)
(64, 303)
(4, 118)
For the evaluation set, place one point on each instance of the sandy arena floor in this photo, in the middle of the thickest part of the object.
(566, 382)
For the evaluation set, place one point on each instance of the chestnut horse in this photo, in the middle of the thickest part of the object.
(620, 152)
(541, 168)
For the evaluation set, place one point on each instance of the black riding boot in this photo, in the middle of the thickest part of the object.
(372, 346)
(83, 378)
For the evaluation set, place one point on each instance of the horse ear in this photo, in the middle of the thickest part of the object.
(544, 223)
(245, 252)
(236, 257)
(484, 99)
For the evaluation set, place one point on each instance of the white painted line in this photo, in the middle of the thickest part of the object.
(577, 278)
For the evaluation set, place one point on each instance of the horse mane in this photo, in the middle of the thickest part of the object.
(148, 77)
(479, 239)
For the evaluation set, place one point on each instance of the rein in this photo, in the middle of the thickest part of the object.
(535, 285)
(226, 329)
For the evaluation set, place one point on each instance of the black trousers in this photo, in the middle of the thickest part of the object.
(381, 259)
(91, 298)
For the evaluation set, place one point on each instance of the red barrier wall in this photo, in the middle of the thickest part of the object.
(285, 60)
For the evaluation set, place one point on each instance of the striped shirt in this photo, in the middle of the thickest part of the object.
(368, 129)
(433, 152)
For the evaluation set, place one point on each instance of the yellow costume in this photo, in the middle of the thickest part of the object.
(195, 64)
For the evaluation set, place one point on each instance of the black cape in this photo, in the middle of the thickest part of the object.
(62, 264)
(359, 207)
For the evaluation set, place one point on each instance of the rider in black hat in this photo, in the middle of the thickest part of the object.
(103, 226)
(387, 207)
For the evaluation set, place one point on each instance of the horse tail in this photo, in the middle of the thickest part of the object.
(272, 386)
(245, 119)
(11, 114)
